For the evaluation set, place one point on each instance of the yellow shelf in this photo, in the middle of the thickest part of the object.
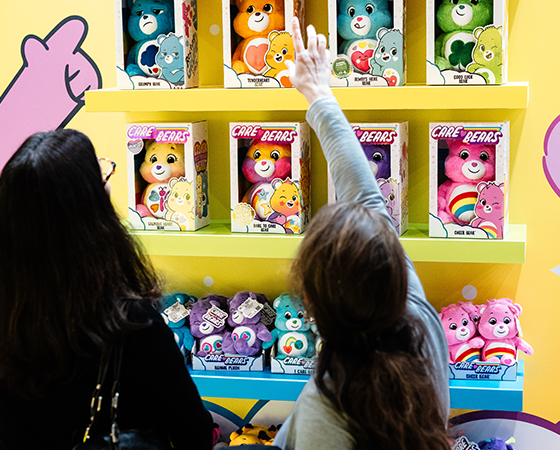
(216, 240)
(410, 97)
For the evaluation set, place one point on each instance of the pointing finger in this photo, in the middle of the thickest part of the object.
(296, 36)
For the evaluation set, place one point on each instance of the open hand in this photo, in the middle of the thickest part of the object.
(311, 71)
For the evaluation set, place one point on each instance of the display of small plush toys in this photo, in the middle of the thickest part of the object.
(461, 332)
(176, 308)
(255, 20)
(358, 23)
(162, 162)
(248, 332)
(499, 327)
(496, 444)
(458, 20)
(208, 323)
(293, 329)
(466, 166)
(253, 434)
(148, 19)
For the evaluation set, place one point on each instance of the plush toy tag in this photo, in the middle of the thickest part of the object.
(215, 316)
(177, 312)
(462, 443)
(268, 314)
(519, 331)
(250, 307)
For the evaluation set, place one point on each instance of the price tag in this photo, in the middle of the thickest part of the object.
(268, 314)
(177, 312)
(462, 443)
(215, 316)
(250, 307)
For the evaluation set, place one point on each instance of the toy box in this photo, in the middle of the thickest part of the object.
(469, 178)
(366, 41)
(157, 44)
(466, 42)
(168, 176)
(257, 42)
(292, 364)
(270, 189)
(238, 363)
(386, 148)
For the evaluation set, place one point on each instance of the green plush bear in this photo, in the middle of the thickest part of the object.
(458, 20)
(487, 54)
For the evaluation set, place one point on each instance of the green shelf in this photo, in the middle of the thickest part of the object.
(216, 240)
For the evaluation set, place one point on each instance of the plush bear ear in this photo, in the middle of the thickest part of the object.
(172, 182)
(481, 186)
(381, 32)
(482, 309)
(161, 38)
(516, 309)
(273, 34)
(276, 303)
(276, 183)
(477, 32)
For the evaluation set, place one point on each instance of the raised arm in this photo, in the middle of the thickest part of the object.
(353, 179)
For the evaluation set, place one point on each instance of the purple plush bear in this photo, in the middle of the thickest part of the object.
(496, 444)
(379, 158)
(208, 322)
(248, 332)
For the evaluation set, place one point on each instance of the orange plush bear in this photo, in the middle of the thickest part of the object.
(254, 21)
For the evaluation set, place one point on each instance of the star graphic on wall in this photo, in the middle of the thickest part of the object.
(556, 270)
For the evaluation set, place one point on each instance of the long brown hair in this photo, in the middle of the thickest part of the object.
(352, 271)
(71, 276)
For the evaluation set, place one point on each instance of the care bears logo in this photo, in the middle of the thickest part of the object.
(469, 135)
(273, 133)
(375, 135)
(160, 135)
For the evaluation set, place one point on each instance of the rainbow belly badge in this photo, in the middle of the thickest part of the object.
(499, 350)
(293, 344)
(490, 228)
(462, 202)
(467, 354)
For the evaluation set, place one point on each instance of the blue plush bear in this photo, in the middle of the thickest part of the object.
(148, 19)
(173, 313)
(171, 58)
(359, 20)
(387, 60)
(292, 329)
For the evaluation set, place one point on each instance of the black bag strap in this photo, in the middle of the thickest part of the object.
(97, 398)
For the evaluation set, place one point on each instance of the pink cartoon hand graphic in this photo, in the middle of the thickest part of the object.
(50, 87)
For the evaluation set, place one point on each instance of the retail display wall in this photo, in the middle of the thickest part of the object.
(526, 270)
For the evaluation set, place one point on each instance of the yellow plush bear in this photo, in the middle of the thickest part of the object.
(281, 49)
(162, 162)
(180, 203)
(254, 22)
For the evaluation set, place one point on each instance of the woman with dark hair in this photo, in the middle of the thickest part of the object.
(381, 377)
(73, 282)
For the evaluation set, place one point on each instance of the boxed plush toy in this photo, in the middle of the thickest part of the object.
(270, 177)
(230, 332)
(257, 42)
(484, 340)
(168, 176)
(293, 342)
(469, 176)
(157, 44)
(366, 41)
(466, 42)
(386, 148)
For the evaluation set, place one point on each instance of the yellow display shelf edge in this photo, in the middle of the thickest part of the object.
(513, 95)
(216, 240)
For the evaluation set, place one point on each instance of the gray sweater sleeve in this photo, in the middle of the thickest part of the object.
(354, 182)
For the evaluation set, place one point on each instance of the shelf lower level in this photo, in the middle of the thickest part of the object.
(216, 240)
(465, 394)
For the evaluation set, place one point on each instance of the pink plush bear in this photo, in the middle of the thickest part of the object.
(498, 325)
(465, 167)
(489, 209)
(461, 333)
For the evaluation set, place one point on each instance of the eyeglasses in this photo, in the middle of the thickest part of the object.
(107, 168)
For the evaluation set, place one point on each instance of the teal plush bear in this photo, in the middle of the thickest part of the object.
(293, 330)
(458, 20)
